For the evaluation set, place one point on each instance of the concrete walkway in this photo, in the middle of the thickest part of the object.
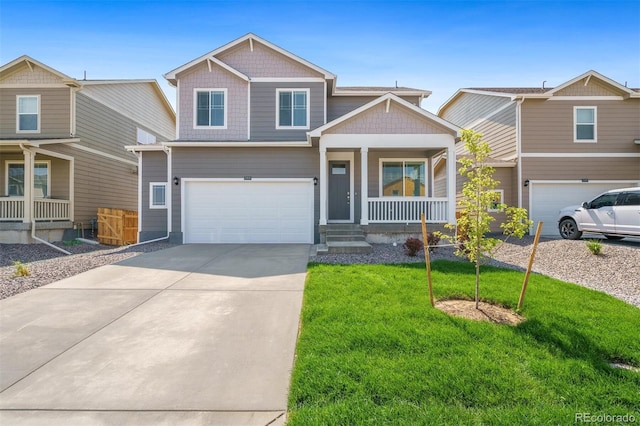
(192, 335)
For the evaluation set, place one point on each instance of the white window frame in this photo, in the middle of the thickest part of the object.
(575, 124)
(501, 192)
(6, 175)
(308, 92)
(144, 138)
(402, 160)
(151, 198)
(195, 107)
(18, 130)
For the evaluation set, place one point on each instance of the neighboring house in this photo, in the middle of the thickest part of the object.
(270, 150)
(555, 146)
(62, 147)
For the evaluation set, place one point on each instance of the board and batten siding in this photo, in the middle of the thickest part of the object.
(55, 112)
(603, 169)
(472, 106)
(547, 126)
(264, 107)
(199, 77)
(240, 162)
(139, 101)
(154, 169)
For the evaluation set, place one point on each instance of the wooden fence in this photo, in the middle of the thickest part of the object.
(117, 227)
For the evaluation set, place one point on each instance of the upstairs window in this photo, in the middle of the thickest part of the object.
(585, 127)
(210, 108)
(293, 109)
(28, 114)
(403, 178)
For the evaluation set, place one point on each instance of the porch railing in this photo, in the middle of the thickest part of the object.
(407, 210)
(12, 209)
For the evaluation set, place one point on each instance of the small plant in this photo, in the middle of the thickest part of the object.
(21, 269)
(594, 246)
(72, 242)
(412, 246)
(432, 240)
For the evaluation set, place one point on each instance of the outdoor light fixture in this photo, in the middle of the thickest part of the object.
(315, 181)
(526, 183)
(176, 180)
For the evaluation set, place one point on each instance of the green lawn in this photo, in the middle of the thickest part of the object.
(373, 351)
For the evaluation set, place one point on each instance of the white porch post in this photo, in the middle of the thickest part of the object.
(72, 178)
(364, 186)
(28, 186)
(451, 184)
(323, 186)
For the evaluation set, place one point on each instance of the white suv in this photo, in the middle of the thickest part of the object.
(615, 213)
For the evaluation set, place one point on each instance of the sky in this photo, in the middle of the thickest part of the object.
(440, 46)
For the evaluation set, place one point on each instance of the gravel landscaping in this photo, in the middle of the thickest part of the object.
(615, 271)
(47, 265)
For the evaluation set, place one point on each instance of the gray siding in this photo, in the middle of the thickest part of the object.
(547, 126)
(55, 112)
(337, 106)
(499, 131)
(199, 77)
(154, 169)
(471, 106)
(239, 162)
(263, 111)
(374, 167)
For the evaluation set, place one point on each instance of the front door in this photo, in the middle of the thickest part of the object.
(339, 191)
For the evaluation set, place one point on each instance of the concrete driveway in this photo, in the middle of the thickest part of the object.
(195, 334)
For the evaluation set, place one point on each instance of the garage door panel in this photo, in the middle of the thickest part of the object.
(248, 212)
(547, 199)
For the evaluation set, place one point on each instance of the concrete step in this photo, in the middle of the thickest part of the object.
(349, 247)
(337, 232)
(343, 226)
(347, 237)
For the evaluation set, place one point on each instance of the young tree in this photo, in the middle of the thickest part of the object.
(478, 196)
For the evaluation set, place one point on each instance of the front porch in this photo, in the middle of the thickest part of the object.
(36, 193)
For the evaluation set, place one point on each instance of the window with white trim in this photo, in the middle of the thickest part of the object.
(144, 137)
(14, 178)
(292, 108)
(585, 124)
(210, 109)
(403, 178)
(28, 114)
(497, 200)
(157, 195)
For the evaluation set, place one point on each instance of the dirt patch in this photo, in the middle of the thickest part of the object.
(485, 312)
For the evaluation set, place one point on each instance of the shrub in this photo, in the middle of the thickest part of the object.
(432, 240)
(412, 246)
(21, 269)
(594, 246)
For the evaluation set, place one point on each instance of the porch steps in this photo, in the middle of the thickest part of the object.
(346, 239)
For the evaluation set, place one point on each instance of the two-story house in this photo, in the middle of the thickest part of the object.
(269, 149)
(554, 147)
(61, 148)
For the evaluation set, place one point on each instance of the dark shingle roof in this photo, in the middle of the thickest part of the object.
(378, 89)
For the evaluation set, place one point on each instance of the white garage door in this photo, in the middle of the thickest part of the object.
(546, 199)
(239, 211)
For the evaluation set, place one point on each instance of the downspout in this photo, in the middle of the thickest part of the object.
(519, 148)
(33, 220)
(140, 180)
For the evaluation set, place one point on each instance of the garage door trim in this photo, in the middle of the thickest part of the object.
(185, 181)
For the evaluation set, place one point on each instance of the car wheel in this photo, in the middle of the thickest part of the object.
(613, 237)
(569, 230)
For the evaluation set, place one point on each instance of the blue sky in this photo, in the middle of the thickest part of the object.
(435, 45)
